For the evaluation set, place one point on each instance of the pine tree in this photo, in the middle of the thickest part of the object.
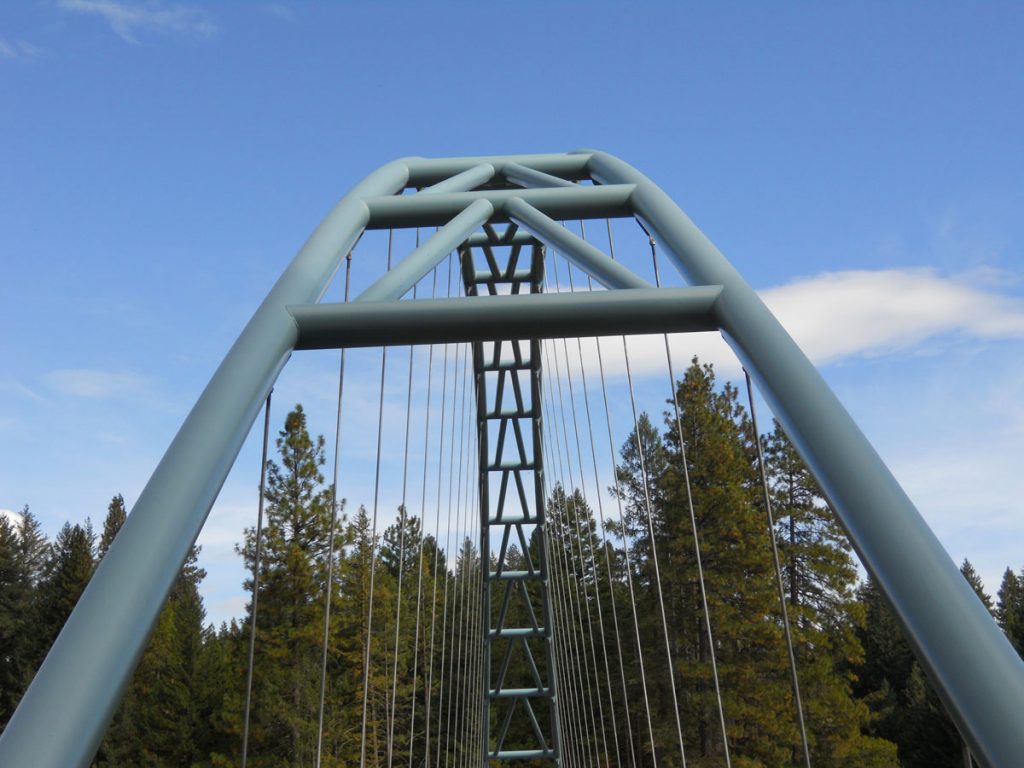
(159, 721)
(68, 569)
(820, 579)
(728, 507)
(116, 515)
(972, 577)
(1010, 612)
(907, 711)
(15, 592)
(292, 577)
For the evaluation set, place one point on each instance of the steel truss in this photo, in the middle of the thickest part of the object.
(65, 711)
(511, 408)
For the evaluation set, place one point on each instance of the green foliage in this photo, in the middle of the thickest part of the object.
(161, 718)
(866, 700)
(67, 571)
(725, 492)
(1010, 612)
(116, 515)
(906, 710)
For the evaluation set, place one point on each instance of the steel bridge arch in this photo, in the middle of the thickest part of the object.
(980, 678)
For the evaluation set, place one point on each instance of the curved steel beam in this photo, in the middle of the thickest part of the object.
(977, 673)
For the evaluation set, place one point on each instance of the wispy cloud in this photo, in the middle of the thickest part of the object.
(10, 384)
(281, 11)
(84, 382)
(18, 49)
(836, 316)
(841, 314)
(128, 20)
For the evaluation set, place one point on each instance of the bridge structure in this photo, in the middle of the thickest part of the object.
(502, 220)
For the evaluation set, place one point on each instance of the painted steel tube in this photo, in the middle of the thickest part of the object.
(65, 711)
(404, 275)
(564, 203)
(462, 182)
(977, 673)
(594, 261)
(529, 177)
(424, 171)
(525, 316)
(518, 238)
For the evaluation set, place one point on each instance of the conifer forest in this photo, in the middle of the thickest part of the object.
(865, 699)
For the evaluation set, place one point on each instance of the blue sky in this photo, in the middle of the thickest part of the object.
(160, 163)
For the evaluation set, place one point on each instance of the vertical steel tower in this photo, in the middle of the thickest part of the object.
(518, 624)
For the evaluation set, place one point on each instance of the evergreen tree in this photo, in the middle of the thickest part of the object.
(907, 711)
(292, 577)
(728, 507)
(160, 720)
(820, 579)
(116, 515)
(68, 569)
(1010, 612)
(15, 597)
(972, 577)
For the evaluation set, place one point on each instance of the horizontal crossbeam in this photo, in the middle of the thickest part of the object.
(425, 171)
(605, 201)
(525, 316)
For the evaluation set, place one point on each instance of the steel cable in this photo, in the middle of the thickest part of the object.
(419, 560)
(778, 572)
(693, 514)
(650, 528)
(255, 583)
(330, 539)
(373, 538)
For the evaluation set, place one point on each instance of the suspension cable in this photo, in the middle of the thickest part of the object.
(574, 696)
(437, 536)
(693, 514)
(448, 538)
(607, 559)
(568, 559)
(402, 518)
(373, 537)
(256, 582)
(778, 572)
(423, 507)
(622, 523)
(471, 613)
(459, 585)
(579, 536)
(650, 528)
(330, 538)
(600, 507)
(572, 743)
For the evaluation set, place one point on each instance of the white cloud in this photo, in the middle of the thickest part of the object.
(839, 315)
(281, 11)
(13, 517)
(129, 19)
(17, 49)
(9, 384)
(83, 382)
